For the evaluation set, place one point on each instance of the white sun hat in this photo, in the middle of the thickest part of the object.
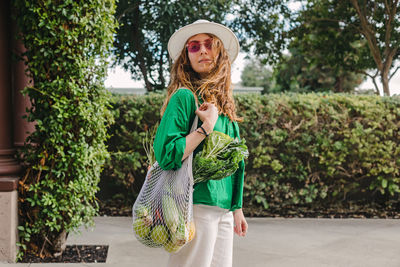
(179, 38)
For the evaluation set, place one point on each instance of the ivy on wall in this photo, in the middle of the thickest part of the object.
(68, 43)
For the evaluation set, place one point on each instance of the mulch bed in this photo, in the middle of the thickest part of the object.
(74, 254)
(119, 208)
(115, 207)
(365, 213)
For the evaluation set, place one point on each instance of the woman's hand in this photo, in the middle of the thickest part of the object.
(241, 225)
(208, 114)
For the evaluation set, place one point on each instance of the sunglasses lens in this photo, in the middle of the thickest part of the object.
(208, 44)
(193, 47)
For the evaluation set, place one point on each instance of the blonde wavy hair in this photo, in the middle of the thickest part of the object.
(216, 88)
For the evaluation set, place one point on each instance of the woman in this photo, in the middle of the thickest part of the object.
(202, 54)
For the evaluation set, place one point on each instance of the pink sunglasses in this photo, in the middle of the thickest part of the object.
(194, 46)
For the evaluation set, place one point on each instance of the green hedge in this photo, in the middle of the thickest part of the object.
(68, 45)
(305, 149)
(320, 150)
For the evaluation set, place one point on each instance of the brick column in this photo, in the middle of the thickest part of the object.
(22, 128)
(9, 167)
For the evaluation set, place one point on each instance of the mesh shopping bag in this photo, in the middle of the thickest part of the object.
(163, 211)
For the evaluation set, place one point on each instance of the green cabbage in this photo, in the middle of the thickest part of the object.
(219, 158)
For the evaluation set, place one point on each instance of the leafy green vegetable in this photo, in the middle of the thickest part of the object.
(219, 158)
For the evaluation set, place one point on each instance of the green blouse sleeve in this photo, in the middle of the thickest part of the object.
(170, 140)
(238, 178)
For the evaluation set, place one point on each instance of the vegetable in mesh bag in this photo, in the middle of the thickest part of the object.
(163, 211)
(219, 158)
(160, 218)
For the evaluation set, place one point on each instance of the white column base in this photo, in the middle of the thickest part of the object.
(8, 226)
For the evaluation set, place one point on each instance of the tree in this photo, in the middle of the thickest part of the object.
(301, 72)
(371, 27)
(256, 74)
(375, 25)
(146, 25)
(324, 55)
(379, 23)
(262, 27)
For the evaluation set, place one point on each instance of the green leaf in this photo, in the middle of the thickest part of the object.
(384, 183)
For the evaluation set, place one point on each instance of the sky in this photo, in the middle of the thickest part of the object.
(119, 78)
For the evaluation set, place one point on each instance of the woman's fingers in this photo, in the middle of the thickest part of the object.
(208, 112)
(204, 106)
(244, 228)
(238, 229)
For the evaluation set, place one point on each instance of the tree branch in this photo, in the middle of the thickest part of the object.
(373, 78)
(160, 69)
(391, 13)
(387, 7)
(394, 73)
(369, 75)
(369, 35)
(388, 23)
(376, 86)
(128, 9)
(151, 77)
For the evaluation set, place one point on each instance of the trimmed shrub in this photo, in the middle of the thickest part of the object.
(315, 150)
(67, 46)
(320, 150)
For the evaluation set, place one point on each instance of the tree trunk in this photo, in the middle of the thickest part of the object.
(339, 84)
(147, 83)
(60, 243)
(161, 71)
(53, 246)
(385, 83)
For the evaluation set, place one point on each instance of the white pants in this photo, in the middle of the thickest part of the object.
(213, 242)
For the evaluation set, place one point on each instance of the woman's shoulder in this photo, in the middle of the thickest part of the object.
(183, 92)
(183, 95)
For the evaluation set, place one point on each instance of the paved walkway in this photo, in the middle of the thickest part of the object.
(269, 243)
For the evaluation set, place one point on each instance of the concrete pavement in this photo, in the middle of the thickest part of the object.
(270, 242)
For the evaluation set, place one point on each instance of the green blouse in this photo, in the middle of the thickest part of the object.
(169, 146)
